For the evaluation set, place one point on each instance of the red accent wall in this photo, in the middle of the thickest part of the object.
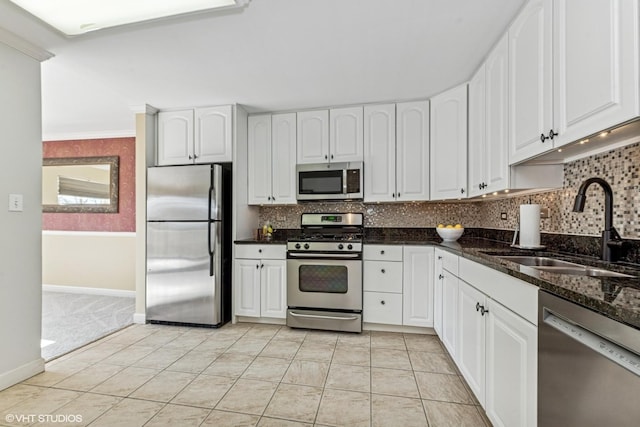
(125, 219)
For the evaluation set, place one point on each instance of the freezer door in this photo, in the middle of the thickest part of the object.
(181, 193)
(183, 277)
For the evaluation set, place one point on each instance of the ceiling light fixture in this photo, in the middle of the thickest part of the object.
(605, 133)
(584, 141)
(74, 17)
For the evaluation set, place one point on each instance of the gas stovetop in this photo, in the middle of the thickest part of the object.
(329, 232)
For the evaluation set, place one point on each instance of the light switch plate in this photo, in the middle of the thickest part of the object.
(15, 203)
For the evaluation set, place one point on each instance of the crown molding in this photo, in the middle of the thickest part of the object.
(20, 44)
(72, 136)
(144, 109)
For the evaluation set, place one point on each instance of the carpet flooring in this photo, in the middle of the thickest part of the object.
(70, 321)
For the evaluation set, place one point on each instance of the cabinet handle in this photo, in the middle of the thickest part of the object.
(190, 158)
(261, 265)
(477, 306)
(273, 198)
(483, 310)
(551, 135)
(440, 276)
(543, 138)
(382, 302)
(381, 252)
(439, 256)
(195, 156)
(462, 191)
(479, 186)
(382, 271)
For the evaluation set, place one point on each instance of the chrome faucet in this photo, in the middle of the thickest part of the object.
(610, 238)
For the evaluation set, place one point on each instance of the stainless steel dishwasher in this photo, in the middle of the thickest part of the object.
(588, 367)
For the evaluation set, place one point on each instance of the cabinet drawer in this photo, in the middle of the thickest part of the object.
(382, 253)
(380, 307)
(449, 260)
(261, 251)
(382, 276)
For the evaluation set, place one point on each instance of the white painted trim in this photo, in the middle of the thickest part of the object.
(21, 373)
(20, 44)
(140, 318)
(144, 109)
(397, 328)
(89, 291)
(124, 133)
(265, 320)
(89, 233)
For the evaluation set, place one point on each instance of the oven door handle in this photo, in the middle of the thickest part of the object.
(322, 255)
(316, 316)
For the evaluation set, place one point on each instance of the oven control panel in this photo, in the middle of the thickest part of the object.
(316, 246)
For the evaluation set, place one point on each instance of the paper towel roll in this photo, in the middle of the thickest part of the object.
(529, 226)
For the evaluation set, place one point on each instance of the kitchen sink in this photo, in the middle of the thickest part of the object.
(583, 271)
(538, 261)
(557, 266)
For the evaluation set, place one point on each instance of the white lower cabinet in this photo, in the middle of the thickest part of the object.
(260, 283)
(494, 344)
(398, 285)
(512, 376)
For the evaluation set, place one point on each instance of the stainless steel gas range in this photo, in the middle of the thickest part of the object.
(324, 273)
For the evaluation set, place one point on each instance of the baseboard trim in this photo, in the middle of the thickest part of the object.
(397, 328)
(265, 320)
(21, 373)
(88, 290)
(140, 318)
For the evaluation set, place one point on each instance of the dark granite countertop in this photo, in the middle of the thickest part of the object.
(615, 297)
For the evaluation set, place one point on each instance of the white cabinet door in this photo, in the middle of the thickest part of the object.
(497, 128)
(595, 48)
(247, 287)
(313, 136)
(273, 290)
(437, 292)
(175, 137)
(530, 81)
(477, 151)
(412, 151)
(449, 144)
(213, 134)
(259, 159)
(449, 312)
(345, 135)
(283, 159)
(471, 357)
(379, 153)
(511, 373)
(417, 289)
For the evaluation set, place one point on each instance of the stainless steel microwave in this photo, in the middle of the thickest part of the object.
(330, 181)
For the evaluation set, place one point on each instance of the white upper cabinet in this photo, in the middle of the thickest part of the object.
(345, 134)
(595, 56)
(496, 119)
(175, 137)
(213, 134)
(396, 152)
(313, 136)
(271, 159)
(412, 151)
(379, 153)
(477, 151)
(259, 159)
(449, 144)
(283, 158)
(530, 81)
(203, 135)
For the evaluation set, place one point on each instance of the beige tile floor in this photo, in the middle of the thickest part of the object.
(247, 375)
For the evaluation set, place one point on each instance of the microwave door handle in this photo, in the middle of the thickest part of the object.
(344, 181)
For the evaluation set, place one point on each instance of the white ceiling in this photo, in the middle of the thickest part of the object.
(272, 55)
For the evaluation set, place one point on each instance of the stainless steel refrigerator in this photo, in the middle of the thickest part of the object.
(189, 244)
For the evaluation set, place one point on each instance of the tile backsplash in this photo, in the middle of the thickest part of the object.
(619, 167)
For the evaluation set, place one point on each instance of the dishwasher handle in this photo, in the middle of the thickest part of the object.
(612, 351)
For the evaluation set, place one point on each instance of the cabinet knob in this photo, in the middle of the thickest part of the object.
(543, 138)
(398, 195)
(483, 310)
(552, 134)
(190, 158)
(332, 156)
(195, 156)
(479, 186)
(261, 265)
(462, 191)
(440, 276)
(257, 266)
(268, 197)
(393, 195)
(382, 271)
(325, 157)
(259, 250)
(382, 302)
(381, 252)
(477, 306)
(273, 198)
(439, 256)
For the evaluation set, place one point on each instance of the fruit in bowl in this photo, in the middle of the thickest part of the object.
(450, 232)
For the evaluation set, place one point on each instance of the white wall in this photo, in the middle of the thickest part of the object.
(20, 256)
(103, 260)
